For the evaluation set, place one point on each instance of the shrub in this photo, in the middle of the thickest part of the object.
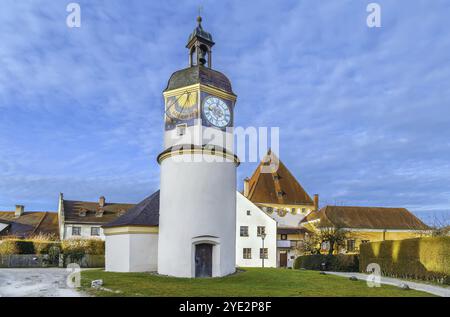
(420, 258)
(83, 246)
(339, 263)
(16, 246)
(8, 247)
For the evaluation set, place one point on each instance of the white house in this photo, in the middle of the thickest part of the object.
(84, 219)
(132, 239)
(275, 190)
(252, 224)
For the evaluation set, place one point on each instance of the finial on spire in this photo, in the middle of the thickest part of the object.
(199, 17)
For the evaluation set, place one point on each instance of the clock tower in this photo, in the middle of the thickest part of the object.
(197, 219)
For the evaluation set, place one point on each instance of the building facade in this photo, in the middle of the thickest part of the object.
(274, 189)
(366, 224)
(84, 219)
(256, 235)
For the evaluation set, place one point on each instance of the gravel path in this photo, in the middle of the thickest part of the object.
(50, 282)
(432, 289)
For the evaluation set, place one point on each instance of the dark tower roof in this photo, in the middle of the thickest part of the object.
(199, 70)
(199, 75)
(146, 213)
(200, 33)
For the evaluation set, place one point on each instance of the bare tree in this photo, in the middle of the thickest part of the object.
(310, 244)
(440, 226)
(335, 236)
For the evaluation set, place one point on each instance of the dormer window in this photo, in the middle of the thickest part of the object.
(99, 212)
(280, 194)
(82, 212)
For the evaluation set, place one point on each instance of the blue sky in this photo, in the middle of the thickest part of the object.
(363, 113)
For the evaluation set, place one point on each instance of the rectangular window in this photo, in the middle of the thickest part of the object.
(261, 230)
(284, 237)
(244, 231)
(181, 129)
(248, 213)
(263, 253)
(95, 231)
(76, 231)
(247, 253)
(350, 245)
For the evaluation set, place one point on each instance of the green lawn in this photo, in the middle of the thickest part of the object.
(251, 282)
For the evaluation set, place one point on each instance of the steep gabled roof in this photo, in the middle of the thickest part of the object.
(366, 218)
(146, 213)
(277, 186)
(30, 223)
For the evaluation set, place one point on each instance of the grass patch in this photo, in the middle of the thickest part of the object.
(253, 282)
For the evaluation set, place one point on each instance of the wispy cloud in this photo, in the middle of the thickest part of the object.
(363, 112)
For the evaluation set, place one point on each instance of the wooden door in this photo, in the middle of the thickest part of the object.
(283, 259)
(203, 260)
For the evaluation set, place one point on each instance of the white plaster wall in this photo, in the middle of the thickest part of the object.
(289, 220)
(136, 252)
(199, 135)
(85, 231)
(117, 253)
(257, 218)
(3, 226)
(143, 252)
(197, 199)
(290, 253)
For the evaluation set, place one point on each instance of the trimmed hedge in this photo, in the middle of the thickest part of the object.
(14, 246)
(69, 247)
(338, 263)
(83, 246)
(420, 258)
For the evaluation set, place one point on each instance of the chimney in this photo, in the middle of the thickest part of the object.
(20, 209)
(316, 202)
(101, 201)
(246, 186)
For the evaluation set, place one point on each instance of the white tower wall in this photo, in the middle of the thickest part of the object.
(197, 205)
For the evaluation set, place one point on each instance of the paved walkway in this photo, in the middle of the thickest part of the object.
(50, 282)
(432, 289)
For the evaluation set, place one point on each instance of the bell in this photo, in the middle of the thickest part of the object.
(202, 59)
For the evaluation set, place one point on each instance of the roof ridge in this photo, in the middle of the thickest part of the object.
(39, 223)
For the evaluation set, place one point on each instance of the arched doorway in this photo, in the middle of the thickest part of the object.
(203, 259)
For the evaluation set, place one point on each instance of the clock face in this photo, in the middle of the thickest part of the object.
(182, 107)
(216, 111)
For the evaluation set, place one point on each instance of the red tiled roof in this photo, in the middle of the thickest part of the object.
(366, 218)
(30, 223)
(278, 186)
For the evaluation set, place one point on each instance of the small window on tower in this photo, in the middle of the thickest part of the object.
(181, 129)
(249, 213)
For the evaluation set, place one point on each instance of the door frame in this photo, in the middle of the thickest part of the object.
(215, 242)
(286, 255)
